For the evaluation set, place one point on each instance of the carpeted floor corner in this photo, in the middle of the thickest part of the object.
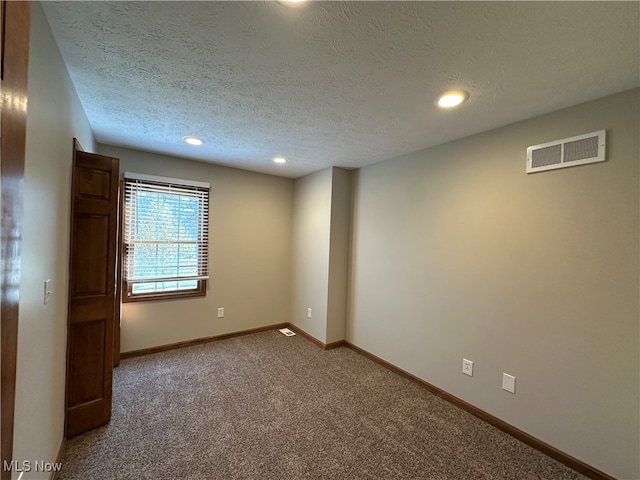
(266, 406)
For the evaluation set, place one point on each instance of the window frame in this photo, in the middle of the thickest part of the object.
(128, 297)
(127, 287)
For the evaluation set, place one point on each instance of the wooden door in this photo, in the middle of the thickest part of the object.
(92, 267)
(14, 53)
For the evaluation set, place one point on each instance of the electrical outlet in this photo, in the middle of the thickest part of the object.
(467, 367)
(221, 312)
(308, 312)
(509, 383)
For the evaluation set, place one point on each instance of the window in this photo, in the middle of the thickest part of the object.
(165, 237)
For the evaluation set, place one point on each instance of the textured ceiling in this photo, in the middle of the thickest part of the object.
(333, 83)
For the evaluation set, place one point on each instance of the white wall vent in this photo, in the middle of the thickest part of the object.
(568, 152)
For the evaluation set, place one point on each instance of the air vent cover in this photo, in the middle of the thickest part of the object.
(568, 152)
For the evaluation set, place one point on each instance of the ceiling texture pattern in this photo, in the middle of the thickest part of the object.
(333, 83)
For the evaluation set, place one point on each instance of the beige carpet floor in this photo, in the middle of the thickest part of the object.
(266, 406)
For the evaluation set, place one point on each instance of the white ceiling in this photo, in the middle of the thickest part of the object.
(333, 83)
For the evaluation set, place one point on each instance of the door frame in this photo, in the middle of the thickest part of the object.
(16, 21)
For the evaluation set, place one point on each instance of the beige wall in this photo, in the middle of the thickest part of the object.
(54, 117)
(311, 240)
(458, 253)
(249, 255)
(339, 254)
(321, 233)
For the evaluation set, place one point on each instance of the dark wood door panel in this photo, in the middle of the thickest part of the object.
(94, 183)
(92, 206)
(92, 278)
(86, 416)
(87, 309)
(86, 345)
(89, 164)
(91, 254)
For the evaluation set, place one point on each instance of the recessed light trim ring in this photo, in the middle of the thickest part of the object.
(191, 140)
(292, 3)
(452, 98)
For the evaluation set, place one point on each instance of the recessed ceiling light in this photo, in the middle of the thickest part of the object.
(279, 160)
(452, 99)
(193, 140)
(292, 3)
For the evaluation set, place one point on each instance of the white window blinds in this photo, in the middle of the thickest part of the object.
(166, 239)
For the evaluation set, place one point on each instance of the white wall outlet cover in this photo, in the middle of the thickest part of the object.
(467, 367)
(308, 312)
(221, 312)
(509, 383)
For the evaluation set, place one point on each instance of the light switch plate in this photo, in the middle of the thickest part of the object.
(47, 291)
(221, 312)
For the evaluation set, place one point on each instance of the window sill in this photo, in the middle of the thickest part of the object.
(201, 291)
